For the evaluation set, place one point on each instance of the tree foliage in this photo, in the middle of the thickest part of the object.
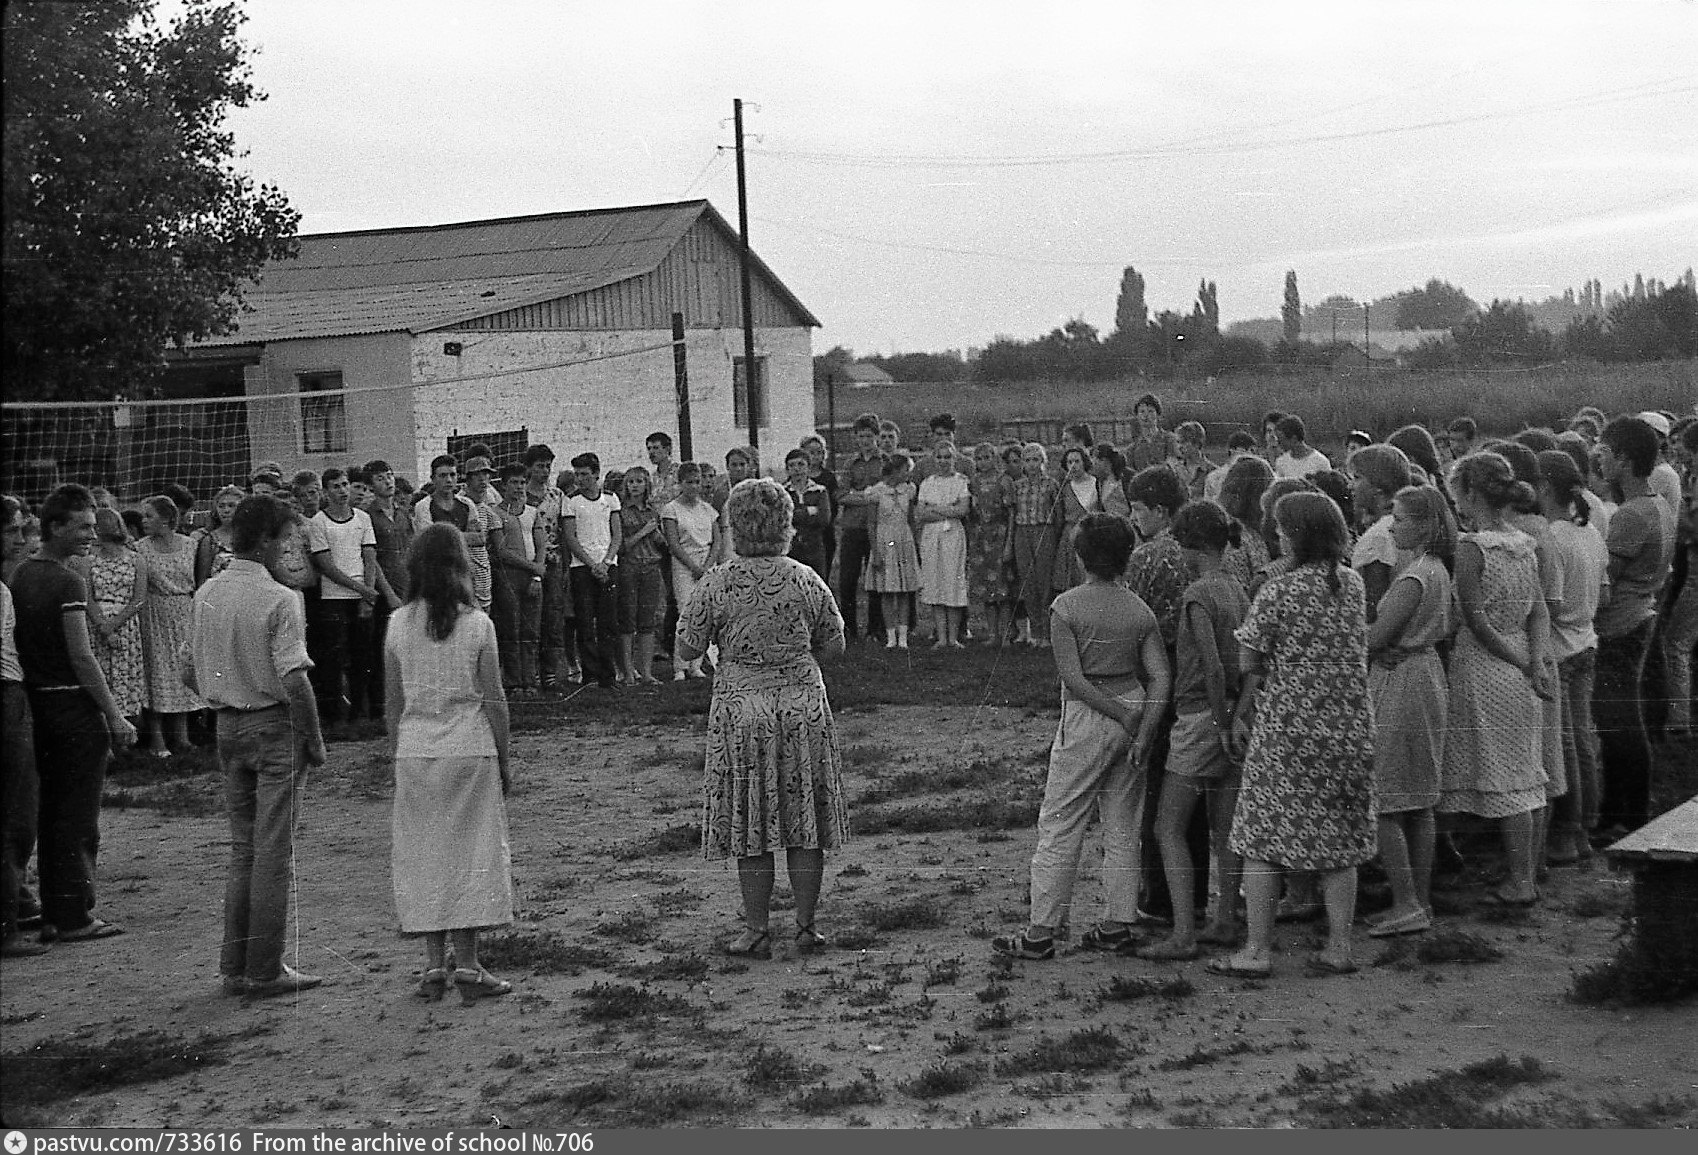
(1291, 312)
(128, 228)
(1503, 335)
(1438, 305)
(1663, 325)
(1131, 314)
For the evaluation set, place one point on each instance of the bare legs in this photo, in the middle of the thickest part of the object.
(1179, 797)
(1261, 889)
(806, 868)
(156, 732)
(1406, 853)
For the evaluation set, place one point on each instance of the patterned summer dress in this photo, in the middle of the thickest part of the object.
(1493, 764)
(943, 545)
(893, 541)
(1410, 695)
(112, 580)
(1307, 799)
(165, 624)
(987, 542)
(774, 773)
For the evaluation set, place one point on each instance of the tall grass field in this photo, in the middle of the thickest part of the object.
(1331, 404)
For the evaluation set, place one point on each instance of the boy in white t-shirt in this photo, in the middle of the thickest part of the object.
(344, 551)
(1298, 458)
(589, 532)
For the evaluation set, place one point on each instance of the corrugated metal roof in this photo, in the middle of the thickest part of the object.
(421, 278)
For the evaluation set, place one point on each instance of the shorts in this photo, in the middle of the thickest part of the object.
(642, 598)
(1195, 750)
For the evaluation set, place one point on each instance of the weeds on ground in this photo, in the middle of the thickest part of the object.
(620, 1002)
(622, 1101)
(1208, 1056)
(1131, 988)
(1092, 1049)
(978, 773)
(675, 839)
(943, 1079)
(543, 954)
(1444, 946)
(689, 968)
(1445, 1099)
(672, 903)
(919, 913)
(998, 1018)
(633, 927)
(772, 1067)
(988, 813)
(197, 797)
(824, 1100)
(942, 973)
(57, 1069)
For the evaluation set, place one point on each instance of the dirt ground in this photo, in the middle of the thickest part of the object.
(626, 1014)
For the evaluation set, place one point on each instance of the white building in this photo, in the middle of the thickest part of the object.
(554, 329)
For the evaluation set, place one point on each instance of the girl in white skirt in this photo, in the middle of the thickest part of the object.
(447, 720)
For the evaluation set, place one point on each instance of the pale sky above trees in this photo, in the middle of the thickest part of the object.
(930, 175)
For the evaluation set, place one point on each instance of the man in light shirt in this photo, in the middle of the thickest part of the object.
(344, 552)
(589, 532)
(1297, 459)
(1240, 444)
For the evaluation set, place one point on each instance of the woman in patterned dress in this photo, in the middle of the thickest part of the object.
(170, 563)
(1079, 495)
(941, 513)
(774, 774)
(1307, 799)
(117, 584)
(1493, 764)
(992, 493)
(213, 545)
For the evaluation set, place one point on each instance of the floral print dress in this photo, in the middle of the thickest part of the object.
(165, 623)
(112, 580)
(987, 541)
(1307, 799)
(774, 773)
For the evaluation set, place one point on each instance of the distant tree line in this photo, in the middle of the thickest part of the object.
(1646, 321)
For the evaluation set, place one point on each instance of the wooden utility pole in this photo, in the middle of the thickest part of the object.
(1367, 349)
(831, 418)
(681, 383)
(752, 384)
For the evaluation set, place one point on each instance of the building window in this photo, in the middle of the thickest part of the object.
(740, 392)
(324, 420)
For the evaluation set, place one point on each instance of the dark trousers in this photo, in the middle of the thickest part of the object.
(20, 794)
(72, 747)
(370, 661)
(504, 612)
(597, 605)
(1624, 748)
(345, 635)
(263, 773)
(856, 548)
(555, 643)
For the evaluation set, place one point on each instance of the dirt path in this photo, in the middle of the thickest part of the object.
(918, 1027)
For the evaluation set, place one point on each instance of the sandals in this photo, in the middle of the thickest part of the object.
(1321, 966)
(433, 984)
(1123, 941)
(809, 941)
(478, 984)
(1020, 946)
(1226, 968)
(93, 929)
(757, 947)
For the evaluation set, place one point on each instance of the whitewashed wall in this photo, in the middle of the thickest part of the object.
(606, 406)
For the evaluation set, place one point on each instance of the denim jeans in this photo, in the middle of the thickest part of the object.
(20, 794)
(1624, 748)
(856, 548)
(1577, 811)
(263, 774)
(72, 747)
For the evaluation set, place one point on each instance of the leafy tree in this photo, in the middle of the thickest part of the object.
(1661, 326)
(1291, 313)
(1228, 355)
(1208, 305)
(833, 360)
(938, 367)
(127, 227)
(1131, 314)
(1504, 333)
(1438, 305)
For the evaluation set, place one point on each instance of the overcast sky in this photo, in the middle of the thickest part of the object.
(930, 175)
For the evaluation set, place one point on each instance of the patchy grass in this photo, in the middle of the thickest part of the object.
(543, 954)
(201, 796)
(619, 1002)
(676, 839)
(943, 1079)
(943, 972)
(1092, 1049)
(57, 1069)
(989, 813)
(920, 913)
(826, 1100)
(774, 1067)
(1208, 1056)
(866, 676)
(633, 926)
(979, 773)
(1445, 1099)
(1131, 988)
(998, 1018)
(1443, 946)
(624, 1101)
(689, 968)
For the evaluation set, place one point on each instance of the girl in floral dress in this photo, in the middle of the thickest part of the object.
(117, 580)
(1493, 765)
(893, 567)
(988, 542)
(170, 563)
(1307, 797)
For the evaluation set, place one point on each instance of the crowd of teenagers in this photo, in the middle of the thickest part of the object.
(1273, 670)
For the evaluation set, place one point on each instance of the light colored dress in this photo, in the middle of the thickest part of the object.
(165, 621)
(112, 581)
(893, 542)
(992, 522)
(943, 544)
(1410, 695)
(1493, 764)
(450, 859)
(774, 772)
(1307, 798)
